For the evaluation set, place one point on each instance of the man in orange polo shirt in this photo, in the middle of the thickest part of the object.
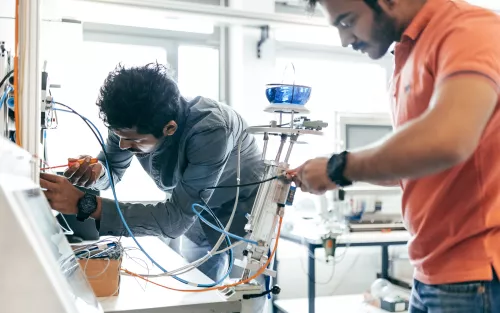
(445, 151)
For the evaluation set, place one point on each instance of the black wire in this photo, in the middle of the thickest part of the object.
(5, 78)
(242, 185)
(212, 214)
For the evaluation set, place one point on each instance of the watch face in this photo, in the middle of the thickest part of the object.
(88, 204)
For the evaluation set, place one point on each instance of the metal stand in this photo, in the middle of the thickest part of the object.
(30, 79)
(269, 206)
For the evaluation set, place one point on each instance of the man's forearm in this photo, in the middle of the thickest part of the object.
(162, 219)
(412, 152)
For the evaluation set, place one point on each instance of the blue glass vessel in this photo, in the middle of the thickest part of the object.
(288, 94)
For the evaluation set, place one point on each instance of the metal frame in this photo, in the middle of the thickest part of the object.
(343, 120)
(169, 40)
(311, 265)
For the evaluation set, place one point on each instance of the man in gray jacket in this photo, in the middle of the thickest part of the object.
(184, 146)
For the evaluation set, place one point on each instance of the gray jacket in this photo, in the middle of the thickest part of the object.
(202, 153)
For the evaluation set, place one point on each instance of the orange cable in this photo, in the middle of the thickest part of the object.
(259, 272)
(16, 77)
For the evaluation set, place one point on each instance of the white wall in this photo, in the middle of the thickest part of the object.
(7, 9)
(249, 74)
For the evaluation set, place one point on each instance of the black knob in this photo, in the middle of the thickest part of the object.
(276, 290)
(245, 252)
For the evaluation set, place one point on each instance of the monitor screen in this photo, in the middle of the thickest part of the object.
(358, 136)
(33, 204)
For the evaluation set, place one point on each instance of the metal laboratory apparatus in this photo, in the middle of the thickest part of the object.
(288, 101)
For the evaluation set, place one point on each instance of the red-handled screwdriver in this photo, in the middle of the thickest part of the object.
(92, 161)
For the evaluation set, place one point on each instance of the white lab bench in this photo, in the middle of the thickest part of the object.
(309, 235)
(332, 304)
(139, 296)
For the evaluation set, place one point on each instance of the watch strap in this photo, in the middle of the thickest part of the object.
(336, 167)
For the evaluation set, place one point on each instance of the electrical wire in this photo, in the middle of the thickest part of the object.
(202, 260)
(5, 78)
(101, 141)
(221, 239)
(259, 272)
(242, 185)
(216, 228)
(4, 95)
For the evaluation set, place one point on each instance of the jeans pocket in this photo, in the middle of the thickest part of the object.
(475, 287)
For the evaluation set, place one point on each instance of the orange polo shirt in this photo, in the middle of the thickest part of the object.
(453, 216)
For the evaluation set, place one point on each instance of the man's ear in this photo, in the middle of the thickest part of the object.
(170, 128)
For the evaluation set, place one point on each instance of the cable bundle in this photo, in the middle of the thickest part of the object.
(224, 230)
(101, 263)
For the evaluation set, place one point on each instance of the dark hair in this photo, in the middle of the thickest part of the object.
(144, 97)
(373, 4)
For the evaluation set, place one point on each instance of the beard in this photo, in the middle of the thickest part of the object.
(384, 34)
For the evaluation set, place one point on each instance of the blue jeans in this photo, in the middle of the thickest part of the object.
(468, 297)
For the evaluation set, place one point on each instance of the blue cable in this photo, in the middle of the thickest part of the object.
(130, 231)
(6, 92)
(217, 228)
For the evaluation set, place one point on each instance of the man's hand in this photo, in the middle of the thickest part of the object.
(85, 174)
(62, 195)
(312, 176)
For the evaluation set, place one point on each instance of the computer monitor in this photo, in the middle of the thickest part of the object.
(38, 269)
(361, 130)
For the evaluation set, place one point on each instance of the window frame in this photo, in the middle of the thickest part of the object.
(167, 39)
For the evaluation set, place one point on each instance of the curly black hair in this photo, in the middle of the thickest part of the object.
(145, 97)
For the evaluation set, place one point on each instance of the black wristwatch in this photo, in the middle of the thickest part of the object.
(336, 167)
(86, 206)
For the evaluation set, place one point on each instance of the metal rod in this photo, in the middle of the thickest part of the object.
(293, 139)
(246, 274)
(266, 140)
(280, 150)
(291, 122)
(30, 79)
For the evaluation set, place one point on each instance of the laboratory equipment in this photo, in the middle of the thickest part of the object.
(272, 197)
(38, 267)
(357, 130)
(6, 67)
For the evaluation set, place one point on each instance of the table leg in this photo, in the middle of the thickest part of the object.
(385, 262)
(311, 271)
(275, 267)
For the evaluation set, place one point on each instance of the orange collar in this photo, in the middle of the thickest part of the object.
(422, 19)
